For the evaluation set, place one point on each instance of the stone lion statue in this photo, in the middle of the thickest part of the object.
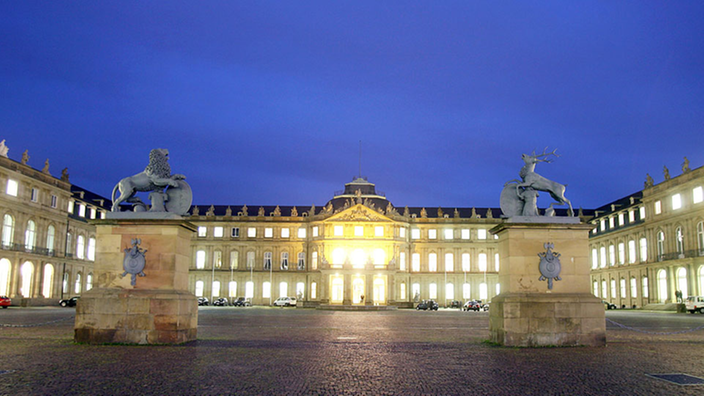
(155, 177)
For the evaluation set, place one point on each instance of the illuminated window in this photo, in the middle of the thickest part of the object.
(631, 251)
(433, 291)
(496, 262)
(679, 240)
(30, 235)
(358, 231)
(466, 289)
(81, 210)
(643, 250)
(266, 290)
(285, 233)
(611, 223)
(70, 206)
(415, 290)
(612, 255)
(621, 253)
(268, 232)
(91, 249)
(338, 256)
(621, 220)
(433, 234)
(415, 233)
(251, 232)
(300, 290)
(595, 259)
(642, 212)
(250, 260)
(315, 231)
(249, 290)
(483, 292)
(8, 229)
(77, 288)
(232, 289)
(432, 262)
(301, 233)
(449, 262)
(482, 262)
(595, 288)
(216, 289)
(602, 225)
(218, 232)
(267, 260)
(602, 256)
(644, 285)
(314, 290)
(465, 262)
(682, 282)
(301, 261)
(481, 233)
(634, 288)
(465, 233)
(631, 216)
(603, 289)
(314, 261)
(379, 231)
(199, 288)
(47, 283)
(613, 288)
(700, 239)
(622, 283)
(283, 289)
(235, 232)
(402, 291)
(80, 247)
(660, 244)
(697, 195)
(338, 230)
(658, 207)
(202, 231)
(379, 257)
(676, 201)
(200, 259)
(34, 195)
(402, 232)
(449, 291)
(12, 187)
(402, 261)
(93, 213)
(217, 259)
(415, 262)
(498, 288)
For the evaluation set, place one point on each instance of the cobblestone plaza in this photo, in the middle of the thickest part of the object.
(262, 350)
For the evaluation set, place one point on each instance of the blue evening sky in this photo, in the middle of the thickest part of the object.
(265, 102)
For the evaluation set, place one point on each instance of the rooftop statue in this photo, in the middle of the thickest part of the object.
(520, 199)
(3, 149)
(154, 179)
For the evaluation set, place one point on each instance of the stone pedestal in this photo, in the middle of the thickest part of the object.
(527, 313)
(158, 309)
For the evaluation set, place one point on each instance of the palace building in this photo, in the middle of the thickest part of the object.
(357, 249)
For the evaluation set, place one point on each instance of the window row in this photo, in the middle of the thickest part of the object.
(676, 200)
(27, 283)
(30, 239)
(619, 220)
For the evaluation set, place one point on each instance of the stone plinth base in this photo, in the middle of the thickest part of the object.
(136, 317)
(547, 319)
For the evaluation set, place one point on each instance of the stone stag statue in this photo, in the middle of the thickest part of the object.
(520, 199)
(155, 177)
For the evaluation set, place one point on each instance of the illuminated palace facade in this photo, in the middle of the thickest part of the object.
(357, 249)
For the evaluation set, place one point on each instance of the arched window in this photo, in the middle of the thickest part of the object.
(603, 290)
(622, 283)
(200, 260)
(199, 289)
(284, 263)
(50, 236)
(631, 251)
(661, 245)
(232, 289)
(700, 238)
(80, 247)
(234, 260)
(634, 287)
(8, 229)
(89, 282)
(595, 286)
(77, 287)
(301, 261)
(612, 255)
(432, 263)
(249, 290)
(483, 292)
(217, 259)
(449, 291)
(662, 285)
(91, 249)
(26, 273)
(449, 262)
(300, 290)
(613, 288)
(266, 290)
(415, 291)
(466, 289)
(482, 262)
(433, 291)
(415, 262)
(644, 285)
(314, 261)
(30, 235)
(250, 260)
(621, 253)
(643, 250)
(595, 259)
(283, 289)
(216, 289)
(5, 268)
(64, 283)
(682, 282)
(602, 256)
(679, 240)
(48, 281)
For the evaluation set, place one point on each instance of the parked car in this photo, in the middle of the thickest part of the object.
(71, 302)
(456, 304)
(608, 305)
(692, 304)
(427, 305)
(285, 302)
(221, 302)
(203, 301)
(5, 301)
(242, 302)
(472, 305)
(485, 307)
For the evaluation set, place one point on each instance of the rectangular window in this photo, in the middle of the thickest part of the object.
(433, 291)
(415, 262)
(54, 201)
(338, 230)
(611, 223)
(217, 259)
(642, 212)
(284, 261)
(697, 195)
(266, 290)
(449, 235)
(35, 195)
(621, 253)
(93, 212)
(12, 187)
(602, 225)
(631, 216)
(415, 290)
(602, 256)
(449, 291)
(658, 207)
(676, 201)
(379, 231)
(313, 290)
(268, 233)
(234, 259)
(432, 234)
(466, 291)
(218, 232)
(634, 288)
(482, 262)
(449, 262)
(433, 262)
(612, 255)
(644, 286)
(621, 220)
(235, 232)
(200, 259)
(358, 231)
(251, 232)
(595, 259)
(465, 233)
(402, 291)
(415, 233)
(202, 231)
(496, 262)
(402, 261)
(481, 233)
(402, 232)
(465, 262)
(302, 233)
(250, 260)
(267, 260)
(285, 233)
(315, 231)
(314, 261)
(643, 250)
(81, 210)
(631, 251)
(301, 261)
(249, 290)
(70, 206)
